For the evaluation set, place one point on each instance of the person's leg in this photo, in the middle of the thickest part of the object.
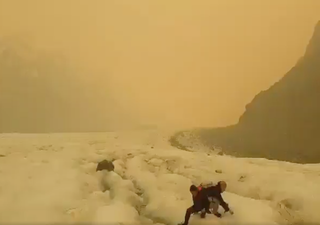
(189, 211)
(207, 207)
(214, 206)
(203, 212)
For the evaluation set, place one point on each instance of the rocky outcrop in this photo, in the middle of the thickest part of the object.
(282, 122)
(105, 165)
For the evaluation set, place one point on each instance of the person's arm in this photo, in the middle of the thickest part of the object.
(224, 205)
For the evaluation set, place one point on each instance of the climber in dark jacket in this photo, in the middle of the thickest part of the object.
(215, 198)
(200, 203)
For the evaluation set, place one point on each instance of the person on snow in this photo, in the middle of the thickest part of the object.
(213, 193)
(200, 204)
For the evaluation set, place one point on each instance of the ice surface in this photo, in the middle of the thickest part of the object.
(52, 178)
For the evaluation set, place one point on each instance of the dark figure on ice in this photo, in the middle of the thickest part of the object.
(200, 204)
(215, 198)
(206, 199)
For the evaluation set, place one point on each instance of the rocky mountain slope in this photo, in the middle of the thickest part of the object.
(282, 122)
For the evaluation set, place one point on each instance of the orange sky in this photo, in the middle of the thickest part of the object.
(171, 63)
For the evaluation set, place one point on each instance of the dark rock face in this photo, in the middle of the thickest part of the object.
(105, 165)
(282, 122)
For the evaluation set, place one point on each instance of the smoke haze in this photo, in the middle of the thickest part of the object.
(170, 63)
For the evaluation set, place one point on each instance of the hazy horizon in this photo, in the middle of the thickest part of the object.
(172, 64)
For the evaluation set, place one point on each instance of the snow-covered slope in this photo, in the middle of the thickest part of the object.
(52, 178)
